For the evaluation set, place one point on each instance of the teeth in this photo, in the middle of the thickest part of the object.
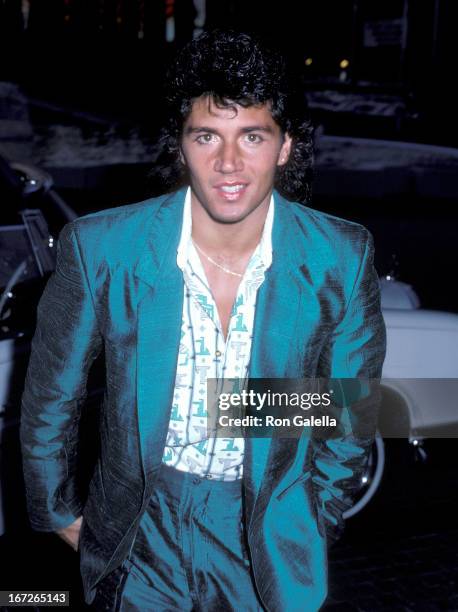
(232, 188)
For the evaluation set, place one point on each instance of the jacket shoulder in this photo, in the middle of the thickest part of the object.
(325, 241)
(115, 233)
(120, 215)
(327, 225)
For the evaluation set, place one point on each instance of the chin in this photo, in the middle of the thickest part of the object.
(226, 218)
(226, 213)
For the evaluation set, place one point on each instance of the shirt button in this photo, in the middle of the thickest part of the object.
(218, 353)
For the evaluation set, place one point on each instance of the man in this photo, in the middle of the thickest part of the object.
(226, 277)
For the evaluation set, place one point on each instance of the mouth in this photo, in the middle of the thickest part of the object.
(231, 191)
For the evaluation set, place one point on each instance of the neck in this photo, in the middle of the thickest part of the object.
(228, 239)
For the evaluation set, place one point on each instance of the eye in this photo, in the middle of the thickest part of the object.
(254, 138)
(206, 138)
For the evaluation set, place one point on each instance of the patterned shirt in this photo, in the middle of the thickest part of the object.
(205, 353)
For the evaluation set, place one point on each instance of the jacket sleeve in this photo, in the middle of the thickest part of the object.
(356, 349)
(65, 343)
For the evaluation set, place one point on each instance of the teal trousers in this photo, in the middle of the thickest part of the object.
(189, 553)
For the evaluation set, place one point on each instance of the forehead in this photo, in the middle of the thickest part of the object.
(204, 111)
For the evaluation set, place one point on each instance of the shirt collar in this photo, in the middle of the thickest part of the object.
(264, 247)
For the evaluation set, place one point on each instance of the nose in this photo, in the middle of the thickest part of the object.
(228, 159)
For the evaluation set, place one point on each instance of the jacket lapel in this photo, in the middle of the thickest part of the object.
(159, 314)
(275, 329)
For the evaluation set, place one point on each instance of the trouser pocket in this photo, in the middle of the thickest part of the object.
(109, 590)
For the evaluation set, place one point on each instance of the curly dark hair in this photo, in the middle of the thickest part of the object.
(235, 68)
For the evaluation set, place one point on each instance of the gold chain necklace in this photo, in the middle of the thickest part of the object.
(215, 263)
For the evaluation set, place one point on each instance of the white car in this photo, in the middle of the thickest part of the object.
(419, 379)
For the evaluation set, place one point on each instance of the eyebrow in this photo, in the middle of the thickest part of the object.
(245, 130)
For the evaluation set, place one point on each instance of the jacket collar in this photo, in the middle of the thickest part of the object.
(158, 250)
(162, 237)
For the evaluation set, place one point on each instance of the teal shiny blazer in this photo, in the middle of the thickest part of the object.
(117, 286)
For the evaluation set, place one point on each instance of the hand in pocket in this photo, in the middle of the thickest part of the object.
(71, 534)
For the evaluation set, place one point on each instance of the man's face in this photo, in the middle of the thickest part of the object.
(232, 157)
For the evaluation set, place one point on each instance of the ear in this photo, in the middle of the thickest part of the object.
(285, 150)
(182, 159)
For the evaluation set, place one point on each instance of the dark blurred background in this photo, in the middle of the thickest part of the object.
(108, 56)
